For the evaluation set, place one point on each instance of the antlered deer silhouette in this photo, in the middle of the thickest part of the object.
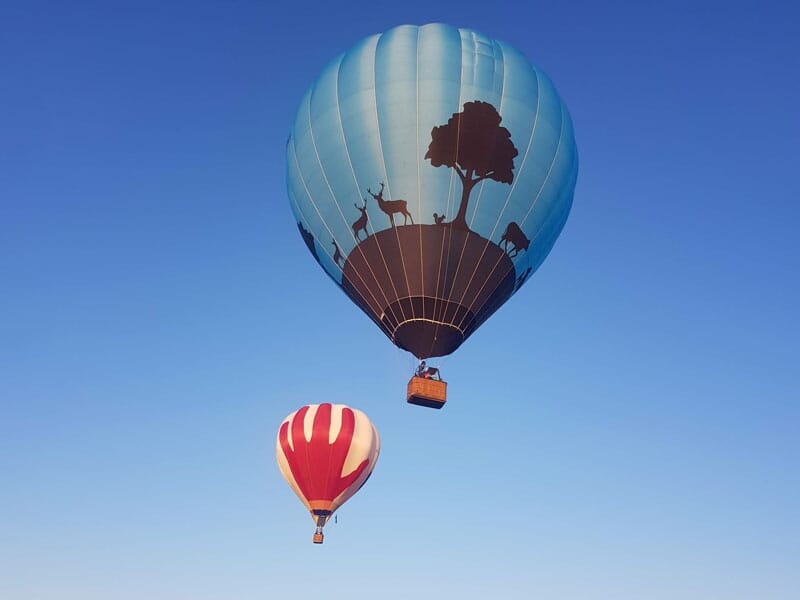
(337, 255)
(514, 235)
(361, 223)
(392, 206)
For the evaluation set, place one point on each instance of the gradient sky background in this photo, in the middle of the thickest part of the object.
(625, 428)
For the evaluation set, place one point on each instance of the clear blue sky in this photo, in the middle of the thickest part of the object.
(625, 428)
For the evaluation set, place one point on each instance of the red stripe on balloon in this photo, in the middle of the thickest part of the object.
(317, 464)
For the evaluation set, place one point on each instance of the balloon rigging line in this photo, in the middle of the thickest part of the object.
(561, 214)
(522, 161)
(322, 220)
(495, 47)
(358, 191)
(538, 195)
(505, 205)
(385, 173)
(443, 257)
(550, 170)
(418, 161)
(475, 209)
(325, 223)
(513, 186)
(330, 232)
(541, 187)
(450, 197)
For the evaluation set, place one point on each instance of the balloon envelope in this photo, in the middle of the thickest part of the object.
(430, 170)
(326, 452)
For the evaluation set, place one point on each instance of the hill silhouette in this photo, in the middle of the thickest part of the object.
(428, 286)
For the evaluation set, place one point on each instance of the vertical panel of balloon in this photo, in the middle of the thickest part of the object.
(430, 170)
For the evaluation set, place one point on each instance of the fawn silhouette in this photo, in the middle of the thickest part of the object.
(337, 255)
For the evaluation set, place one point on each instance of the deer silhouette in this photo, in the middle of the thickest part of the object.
(392, 206)
(361, 223)
(337, 255)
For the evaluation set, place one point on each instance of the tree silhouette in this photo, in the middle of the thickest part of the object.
(475, 145)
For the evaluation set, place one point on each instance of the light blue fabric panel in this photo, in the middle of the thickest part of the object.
(439, 98)
(368, 119)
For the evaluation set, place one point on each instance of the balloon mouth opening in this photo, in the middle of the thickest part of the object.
(425, 338)
(320, 515)
(428, 310)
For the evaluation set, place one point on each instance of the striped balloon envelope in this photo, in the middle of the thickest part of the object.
(326, 452)
(430, 170)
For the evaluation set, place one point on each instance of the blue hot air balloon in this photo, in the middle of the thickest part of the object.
(430, 170)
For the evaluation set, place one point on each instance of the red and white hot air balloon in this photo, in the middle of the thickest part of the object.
(326, 452)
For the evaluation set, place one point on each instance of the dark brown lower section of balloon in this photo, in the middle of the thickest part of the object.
(428, 287)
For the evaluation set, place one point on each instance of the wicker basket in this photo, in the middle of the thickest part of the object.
(426, 392)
